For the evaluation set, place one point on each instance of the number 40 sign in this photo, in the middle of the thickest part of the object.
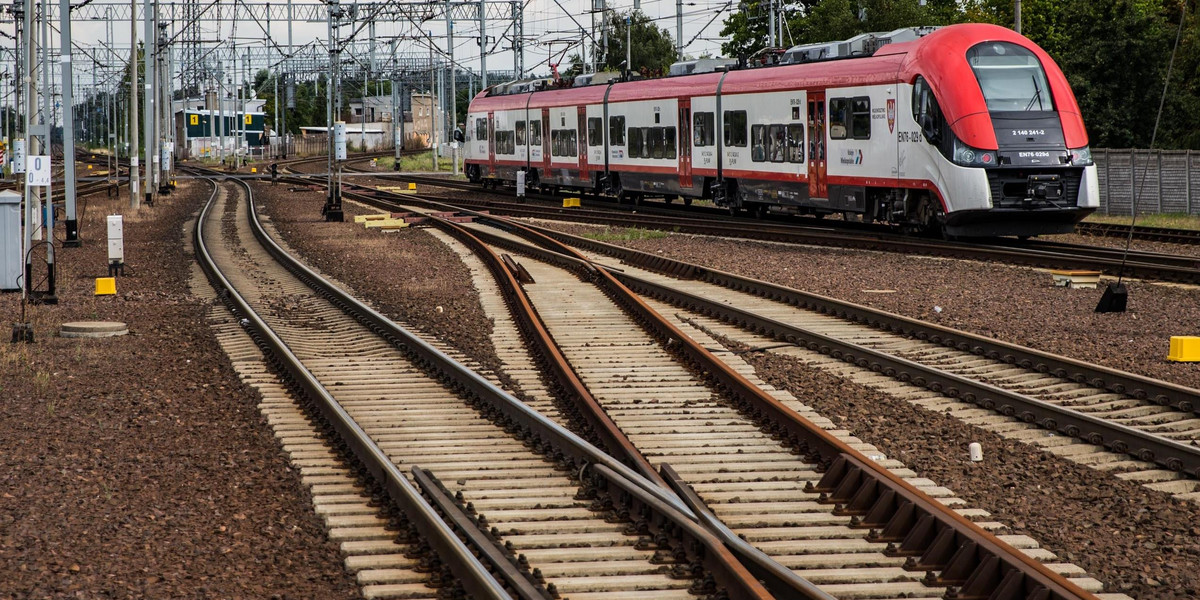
(37, 171)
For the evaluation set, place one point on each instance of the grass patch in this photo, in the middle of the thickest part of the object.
(625, 234)
(418, 163)
(1172, 220)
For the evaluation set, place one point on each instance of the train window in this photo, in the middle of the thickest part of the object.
(635, 142)
(595, 134)
(535, 133)
(860, 121)
(520, 133)
(839, 118)
(776, 143)
(1010, 77)
(481, 129)
(795, 143)
(758, 143)
(654, 137)
(616, 131)
(704, 129)
(926, 111)
(669, 143)
(735, 128)
(563, 142)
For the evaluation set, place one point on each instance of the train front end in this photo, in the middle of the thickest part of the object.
(1003, 117)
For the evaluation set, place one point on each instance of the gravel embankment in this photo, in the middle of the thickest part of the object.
(1014, 304)
(139, 466)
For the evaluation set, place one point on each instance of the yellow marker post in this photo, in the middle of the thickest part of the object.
(253, 169)
(89, 167)
(412, 186)
(106, 286)
(570, 202)
(1184, 348)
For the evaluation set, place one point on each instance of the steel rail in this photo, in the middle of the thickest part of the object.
(1183, 398)
(569, 450)
(914, 524)
(1140, 232)
(1119, 438)
(486, 543)
(1142, 265)
(473, 576)
(780, 581)
(1102, 432)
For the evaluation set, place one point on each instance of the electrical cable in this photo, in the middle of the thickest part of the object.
(1153, 138)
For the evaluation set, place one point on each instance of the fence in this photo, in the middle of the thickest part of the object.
(1165, 181)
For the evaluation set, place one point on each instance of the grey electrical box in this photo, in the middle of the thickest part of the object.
(11, 265)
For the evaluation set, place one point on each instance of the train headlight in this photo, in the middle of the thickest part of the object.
(972, 157)
(1081, 157)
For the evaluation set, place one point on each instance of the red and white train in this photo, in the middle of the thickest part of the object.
(968, 129)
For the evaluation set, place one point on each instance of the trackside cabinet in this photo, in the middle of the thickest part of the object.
(116, 245)
(11, 263)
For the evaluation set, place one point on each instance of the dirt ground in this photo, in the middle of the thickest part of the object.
(138, 466)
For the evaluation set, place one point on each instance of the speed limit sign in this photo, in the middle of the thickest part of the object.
(37, 171)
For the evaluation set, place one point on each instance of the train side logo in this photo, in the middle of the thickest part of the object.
(891, 114)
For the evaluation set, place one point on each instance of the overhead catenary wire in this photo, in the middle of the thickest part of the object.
(1153, 139)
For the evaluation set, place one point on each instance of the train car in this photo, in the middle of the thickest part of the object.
(970, 130)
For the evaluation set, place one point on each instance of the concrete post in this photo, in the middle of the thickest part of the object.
(68, 102)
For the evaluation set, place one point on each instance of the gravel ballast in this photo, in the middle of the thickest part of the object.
(407, 274)
(138, 466)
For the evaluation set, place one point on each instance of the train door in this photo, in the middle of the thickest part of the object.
(546, 172)
(685, 143)
(817, 165)
(581, 144)
(491, 133)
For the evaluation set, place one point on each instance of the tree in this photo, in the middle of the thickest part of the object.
(1115, 53)
(653, 47)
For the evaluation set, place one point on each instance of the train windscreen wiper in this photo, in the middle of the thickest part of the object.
(1037, 95)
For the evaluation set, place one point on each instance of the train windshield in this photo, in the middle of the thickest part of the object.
(1011, 77)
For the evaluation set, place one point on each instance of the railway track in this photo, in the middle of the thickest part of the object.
(753, 476)
(1140, 232)
(386, 403)
(1144, 429)
(1142, 265)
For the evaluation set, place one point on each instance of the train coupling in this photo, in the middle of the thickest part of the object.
(1043, 188)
